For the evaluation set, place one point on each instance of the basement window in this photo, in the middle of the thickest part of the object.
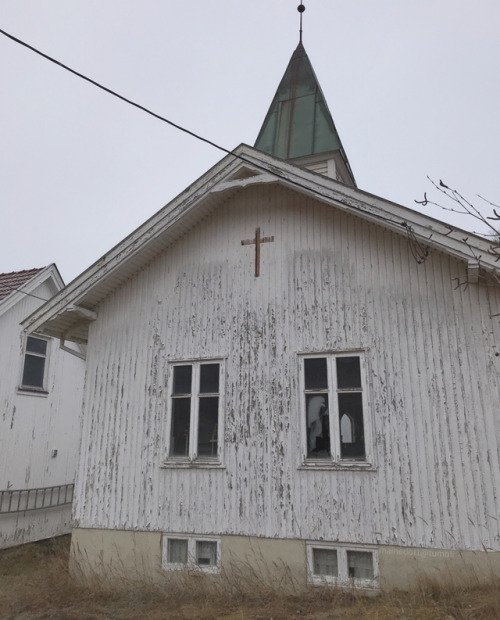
(177, 551)
(360, 565)
(35, 364)
(194, 412)
(190, 553)
(342, 565)
(334, 401)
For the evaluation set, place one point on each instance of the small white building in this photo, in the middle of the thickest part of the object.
(283, 373)
(41, 387)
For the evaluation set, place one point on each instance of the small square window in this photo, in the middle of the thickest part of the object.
(177, 552)
(206, 553)
(360, 565)
(190, 553)
(325, 562)
(338, 564)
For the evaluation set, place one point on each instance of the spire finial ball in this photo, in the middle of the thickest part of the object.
(301, 8)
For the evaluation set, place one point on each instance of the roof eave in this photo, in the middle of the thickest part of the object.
(58, 316)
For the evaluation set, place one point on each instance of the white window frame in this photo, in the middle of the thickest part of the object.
(191, 565)
(192, 458)
(32, 389)
(343, 578)
(335, 460)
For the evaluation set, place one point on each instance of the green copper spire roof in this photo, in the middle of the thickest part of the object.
(298, 122)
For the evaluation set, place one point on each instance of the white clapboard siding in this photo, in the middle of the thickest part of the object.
(328, 282)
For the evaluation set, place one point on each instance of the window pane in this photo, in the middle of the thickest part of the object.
(207, 426)
(36, 345)
(348, 373)
(325, 562)
(179, 437)
(318, 426)
(182, 379)
(315, 374)
(209, 378)
(360, 564)
(33, 371)
(352, 438)
(206, 553)
(177, 551)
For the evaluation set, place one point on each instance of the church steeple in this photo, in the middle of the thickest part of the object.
(299, 126)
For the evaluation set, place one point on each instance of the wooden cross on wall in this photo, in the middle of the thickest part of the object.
(257, 241)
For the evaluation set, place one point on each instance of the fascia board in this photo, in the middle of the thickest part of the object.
(429, 231)
(269, 170)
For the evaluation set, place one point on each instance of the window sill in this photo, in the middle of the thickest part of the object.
(368, 585)
(325, 465)
(181, 463)
(193, 569)
(27, 391)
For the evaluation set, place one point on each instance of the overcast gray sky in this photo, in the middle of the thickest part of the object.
(413, 87)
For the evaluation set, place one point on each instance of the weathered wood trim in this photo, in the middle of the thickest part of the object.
(379, 211)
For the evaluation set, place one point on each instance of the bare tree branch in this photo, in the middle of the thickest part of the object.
(463, 206)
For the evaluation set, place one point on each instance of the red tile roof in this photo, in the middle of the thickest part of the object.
(9, 282)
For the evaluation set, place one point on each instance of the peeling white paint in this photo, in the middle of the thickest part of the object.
(329, 281)
(32, 425)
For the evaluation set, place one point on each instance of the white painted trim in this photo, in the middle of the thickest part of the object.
(193, 460)
(343, 578)
(335, 462)
(27, 389)
(192, 540)
(105, 273)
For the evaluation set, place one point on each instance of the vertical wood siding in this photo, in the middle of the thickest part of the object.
(328, 282)
(31, 426)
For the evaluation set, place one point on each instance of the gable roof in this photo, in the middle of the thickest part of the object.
(298, 122)
(10, 282)
(67, 314)
(15, 285)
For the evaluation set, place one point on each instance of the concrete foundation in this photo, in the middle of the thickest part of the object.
(404, 567)
(113, 553)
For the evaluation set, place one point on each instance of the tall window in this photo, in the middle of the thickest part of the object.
(334, 407)
(194, 410)
(35, 359)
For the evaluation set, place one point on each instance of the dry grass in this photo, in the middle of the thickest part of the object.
(35, 583)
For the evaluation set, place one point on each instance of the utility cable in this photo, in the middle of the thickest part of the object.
(18, 290)
(403, 224)
(112, 92)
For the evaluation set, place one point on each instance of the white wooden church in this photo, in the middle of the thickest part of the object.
(282, 373)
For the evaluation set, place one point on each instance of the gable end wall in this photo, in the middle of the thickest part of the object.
(328, 282)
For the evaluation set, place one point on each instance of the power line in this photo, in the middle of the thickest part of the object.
(112, 92)
(18, 290)
(403, 224)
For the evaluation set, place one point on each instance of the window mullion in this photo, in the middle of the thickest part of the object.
(342, 565)
(191, 552)
(220, 436)
(333, 409)
(195, 408)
